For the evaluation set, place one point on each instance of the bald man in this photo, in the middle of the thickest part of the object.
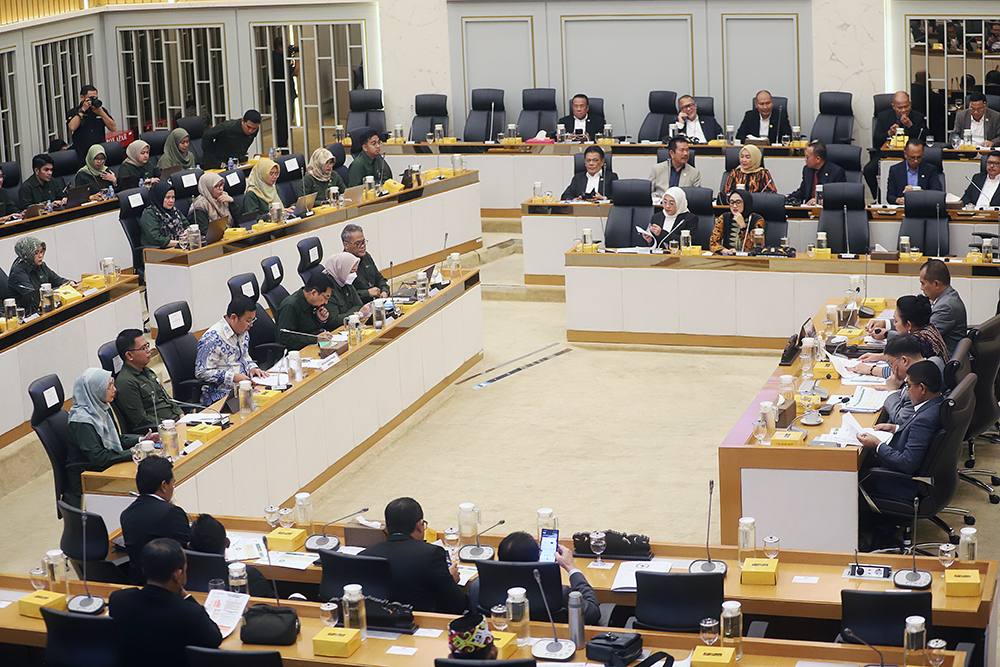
(764, 120)
(900, 115)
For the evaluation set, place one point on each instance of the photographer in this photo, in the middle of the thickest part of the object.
(89, 121)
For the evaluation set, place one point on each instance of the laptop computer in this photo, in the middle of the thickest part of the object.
(354, 194)
(34, 211)
(304, 205)
(411, 292)
(216, 230)
(76, 196)
(127, 183)
(170, 171)
(247, 220)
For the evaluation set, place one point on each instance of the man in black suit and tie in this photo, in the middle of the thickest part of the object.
(421, 575)
(581, 121)
(152, 515)
(984, 190)
(594, 184)
(817, 172)
(911, 173)
(764, 121)
(156, 622)
(900, 115)
(699, 129)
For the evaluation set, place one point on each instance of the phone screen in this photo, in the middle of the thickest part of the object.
(550, 539)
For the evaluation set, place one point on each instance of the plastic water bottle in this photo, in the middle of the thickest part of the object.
(246, 398)
(142, 182)
(914, 640)
(519, 615)
(197, 166)
(48, 206)
(746, 539)
(270, 153)
(168, 437)
(231, 164)
(732, 627)
(238, 578)
(354, 609)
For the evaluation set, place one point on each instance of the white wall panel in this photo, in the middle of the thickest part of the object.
(496, 52)
(744, 71)
(250, 495)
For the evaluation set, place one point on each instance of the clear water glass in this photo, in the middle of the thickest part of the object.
(946, 554)
(286, 517)
(499, 614)
(935, 651)
(329, 614)
(811, 249)
(39, 580)
(771, 546)
(216, 584)
(709, 630)
(914, 253)
(760, 431)
(597, 544)
(786, 139)
(271, 515)
(451, 541)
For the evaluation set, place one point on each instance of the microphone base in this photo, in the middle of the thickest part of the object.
(86, 604)
(470, 553)
(559, 650)
(915, 580)
(866, 313)
(708, 566)
(316, 542)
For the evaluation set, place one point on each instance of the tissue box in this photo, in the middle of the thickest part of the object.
(67, 294)
(336, 642)
(712, 656)
(286, 539)
(974, 258)
(824, 369)
(506, 643)
(91, 281)
(878, 305)
(851, 334)
(693, 251)
(788, 438)
(234, 233)
(760, 570)
(392, 187)
(265, 396)
(32, 603)
(962, 583)
(263, 226)
(822, 253)
(203, 432)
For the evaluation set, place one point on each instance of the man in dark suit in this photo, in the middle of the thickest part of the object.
(900, 115)
(421, 575)
(581, 121)
(208, 536)
(817, 172)
(152, 515)
(156, 622)
(699, 129)
(911, 173)
(985, 188)
(765, 113)
(594, 184)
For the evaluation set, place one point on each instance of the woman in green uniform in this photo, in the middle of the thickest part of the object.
(212, 201)
(29, 270)
(320, 176)
(261, 192)
(94, 174)
(344, 299)
(175, 151)
(162, 225)
(137, 163)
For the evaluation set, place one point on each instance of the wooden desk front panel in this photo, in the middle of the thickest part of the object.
(75, 246)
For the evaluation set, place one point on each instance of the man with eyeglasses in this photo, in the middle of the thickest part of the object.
(369, 162)
(224, 351)
(698, 129)
(983, 190)
(370, 283)
(983, 121)
(141, 398)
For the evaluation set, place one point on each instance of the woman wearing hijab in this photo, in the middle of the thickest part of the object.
(749, 173)
(212, 201)
(175, 151)
(667, 223)
(344, 299)
(320, 175)
(29, 270)
(732, 232)
(94, 441)
(261, 192)
(94, 174)
(137, 163)
(163, 226)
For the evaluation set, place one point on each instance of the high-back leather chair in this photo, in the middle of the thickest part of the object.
(847, 158)
(310, 256)
(700, 203)
(925, 221)
(107, 356)
(291, 168)
(340, 569)
(431, 109)
(271, 288)
(879, 617)
(202, 568)
(677, 601)
(831, 219)
(178, 348)
(538, 112)
(662, 112)
(185, 185)
(235, 184)
(51, 424)
(95, 538)
(835, 122)
(214, 657)
(195, 126)
(366, 109)
(339, 158)
(80, 640)
(12, 179)
(984, 363)
(496, 577)
(579, 165)
(706, 106)
(244, 284)
(114, 155)
(771, 207)
(156, 139)
(663, 154)
(65, 164)
(881, 102)
(632, 207)
(479, 125)
(935, 155)
(263, 344)
(131, 204)
(959, 365)
(779, 103)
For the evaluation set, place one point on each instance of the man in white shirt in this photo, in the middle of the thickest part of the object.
(983, 121)
(595, 183)
(983, 191)
(764, 121)
(697, 129)
(582, 121)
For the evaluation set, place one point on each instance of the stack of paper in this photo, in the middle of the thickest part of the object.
(850, 429)
(625, 577)
(849, 377)
(865, 400)
(244, 546)
(226, 609)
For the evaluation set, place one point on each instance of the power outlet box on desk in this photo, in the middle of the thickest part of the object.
(868, 572)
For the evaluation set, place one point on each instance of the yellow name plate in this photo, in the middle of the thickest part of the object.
(788, 438)
(203, 432)
(286, 539)
(824, 370)
(506, 643)
(32, 603)
(234, 233)
(712, 656)
(759, 571)
(263, 226)
(962, 583)
(822, 253)
(336, 642)
(265, 396)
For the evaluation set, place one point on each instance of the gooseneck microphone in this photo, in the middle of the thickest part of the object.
(223, 420)
(847, 232)
(913, 579)
(625, 122)
(470, 552)
(557, 649)
(850, 634)
(86, 604)
(708, 565)
(937, 228)
(324, 541)
(489, 133)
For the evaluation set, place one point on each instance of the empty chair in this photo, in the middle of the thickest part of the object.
(879, 617)
(80, 640)
(178, 348)
(202, 568)
(65, 164)
(195, 126)
(339, 569)
(835, 122)
(271, 288)
(847, 158)
(700, 202)
(95, 537)
(114, 155)
(431, 110)
(51, 424)
(156, 140)
(131, 204)
(985, 363)
(771, 207)
(935, 155)
(310, 256)
(496, 577)
(538, 112)
(837, 196)
(925, 221)
(676, 601)
(662, 112)
(290, 177)
(12, 179)
(706, 107)
(339, 158)
(488, 117)
(214, 657)
(632, 207)
(185, 185)
(366, 109)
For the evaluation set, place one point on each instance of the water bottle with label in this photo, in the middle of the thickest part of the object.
(231, 164)
(732, 627)
(270, 153)
(246, 398)
(295, 366)
(518, 615)
(914, 640)
(747, 539)
(353, 605)
(48, 206)
(303, 509)
(238, 582)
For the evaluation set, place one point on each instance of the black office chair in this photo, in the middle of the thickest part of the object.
(663, 154)
(771, 207)
(925, 221)
(706, 107)
(632, 207)
(732, 162)
(12, 179)
(700, 202)
(214, 657)
(366, 109)
(496, 577)
(538, 112)
(273, 292)
(99, 568)
(195, 126)
(596, 106)
(131, 204)
(291, 168)
(662, 112)
(935, 155)
(677, 601)
(881, 102)
(235, 185)
(244, 284)
(65, 164)
(431, 109)
(847, 158)
(959, 365)
(579, 165)
(339, 158)
(51, 424)
(984, 363)
(779, 103)
(835, 122)
(879, 617)
(310, 256)
(479, 125)
(114, 155)
(156, 139)
(831, 219)
(185, 185)
(107, 355)
(339, 570)
(356, 143)
(204, 567)
(263, 344)
(513, 662)
(80, 640)
(178, 348)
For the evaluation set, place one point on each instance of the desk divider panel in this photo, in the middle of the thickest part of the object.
(388, 397)
(311, 434)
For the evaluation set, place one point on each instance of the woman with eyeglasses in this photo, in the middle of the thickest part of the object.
(733, 231)
(94, 174)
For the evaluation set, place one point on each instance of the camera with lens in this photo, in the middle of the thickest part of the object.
(293, 50)
(95, 103)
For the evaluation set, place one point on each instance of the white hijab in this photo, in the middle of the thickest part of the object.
(682, 207)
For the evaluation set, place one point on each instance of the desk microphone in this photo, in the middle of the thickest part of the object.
(390, 278)
(223, 419)
(471, 553)
(300, 333)
(624, 121)
(444, 254)
(913, 579)
(777, 134)
(847, 632)
(489, 133)
(866, 312)
(708, 565)
(331, 542)
(937, 228)
(847, 236)
(85, 604)
(557, 649)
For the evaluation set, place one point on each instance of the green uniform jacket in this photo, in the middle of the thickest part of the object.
(253, 203)
(311, 185)
(368, 277)
(24, 278)
(296, 314)
(344, 301)
(365, 166)
(7, 206)
(224, 141)
(135, 398)
(87, 452)
(95, 184)
(152, 232)
(34, 192)
(145, 171)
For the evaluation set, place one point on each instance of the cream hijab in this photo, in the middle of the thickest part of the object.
(206, 201)
(755, 158)
(339, 266)
(257, 181)
(133, 151)
(317, 163)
